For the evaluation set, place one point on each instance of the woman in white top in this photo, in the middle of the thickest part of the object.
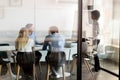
(95, 15)
(25, 56)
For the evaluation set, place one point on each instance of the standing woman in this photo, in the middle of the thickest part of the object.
(25, 56)
(95, 15)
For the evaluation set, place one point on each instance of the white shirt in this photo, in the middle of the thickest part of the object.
(96, 29)
(28, 46)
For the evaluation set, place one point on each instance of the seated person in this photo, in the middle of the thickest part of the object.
(25, 52)
(55, 56)
(30, 28)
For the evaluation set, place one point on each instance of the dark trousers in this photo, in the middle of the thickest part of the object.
(26, 60)
(96, 58)
(55, 59)
(97, 63)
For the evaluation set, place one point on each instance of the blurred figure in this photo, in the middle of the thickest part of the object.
(31, 33)
(54, 43)
(31, 30)
(95, 14)
(26, 55)
(25, 47)
(83, 54)
(84, 49)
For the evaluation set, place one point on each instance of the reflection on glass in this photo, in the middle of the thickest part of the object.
(108, 48)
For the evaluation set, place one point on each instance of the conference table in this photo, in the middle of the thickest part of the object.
(9, 50)
(68, 50)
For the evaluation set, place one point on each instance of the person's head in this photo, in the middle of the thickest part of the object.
(23, 32)
(53, 29)
(30, 27)
(95, 14)
(22, 38)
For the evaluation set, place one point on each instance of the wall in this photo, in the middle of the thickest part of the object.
(42, 13)
(116, 23)
(112, 53)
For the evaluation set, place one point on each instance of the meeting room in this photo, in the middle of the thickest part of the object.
(59, 39)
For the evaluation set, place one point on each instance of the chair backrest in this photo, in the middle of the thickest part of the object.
(3, 54)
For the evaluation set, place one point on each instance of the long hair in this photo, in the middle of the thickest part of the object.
(22, 39)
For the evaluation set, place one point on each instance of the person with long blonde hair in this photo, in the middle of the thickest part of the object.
(32, 35)
(22, 39)
(25, 56)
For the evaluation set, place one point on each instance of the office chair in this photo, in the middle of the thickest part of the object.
(85, 61)
(85, 58)
(37, 58)
(18, 72)
(48, 70)
(53, 59)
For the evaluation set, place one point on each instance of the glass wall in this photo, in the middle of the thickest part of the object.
(109, 24)
(15, 14)
(108, 49)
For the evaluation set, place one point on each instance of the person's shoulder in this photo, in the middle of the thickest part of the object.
(31, 40)
(61, 35)
(48, 36)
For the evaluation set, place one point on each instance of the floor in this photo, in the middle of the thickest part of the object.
(101, 75)
(114, 68)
